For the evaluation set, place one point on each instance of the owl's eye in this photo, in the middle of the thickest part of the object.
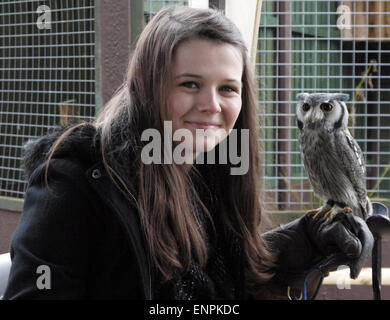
(326, 107)
(306, 107)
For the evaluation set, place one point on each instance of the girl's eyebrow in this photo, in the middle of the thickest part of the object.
(194, 75)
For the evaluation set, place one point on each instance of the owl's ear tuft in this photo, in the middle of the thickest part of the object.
(302, 96)
(341, 96)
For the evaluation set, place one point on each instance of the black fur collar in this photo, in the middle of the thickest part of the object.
(81, 144)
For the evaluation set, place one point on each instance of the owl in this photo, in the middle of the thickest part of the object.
(332, 158)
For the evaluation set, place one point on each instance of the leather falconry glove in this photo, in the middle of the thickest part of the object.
(313, 247)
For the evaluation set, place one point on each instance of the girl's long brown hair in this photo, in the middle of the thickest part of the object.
(166, 197)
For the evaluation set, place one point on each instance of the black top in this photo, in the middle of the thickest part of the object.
(220, 277)
(89, 236)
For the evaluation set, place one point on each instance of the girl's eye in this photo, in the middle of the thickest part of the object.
(228, 89)
(189, 85)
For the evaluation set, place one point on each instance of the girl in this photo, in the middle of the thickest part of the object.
(107, 223)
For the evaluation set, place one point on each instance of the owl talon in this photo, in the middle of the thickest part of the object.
(312, 212)
(331, 215)
(319, 212)
(347, 210)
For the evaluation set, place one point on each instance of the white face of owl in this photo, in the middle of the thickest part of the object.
(321, 110)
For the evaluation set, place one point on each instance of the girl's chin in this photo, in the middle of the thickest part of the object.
(205, 146)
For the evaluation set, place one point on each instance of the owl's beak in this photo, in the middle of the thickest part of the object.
(316, 116)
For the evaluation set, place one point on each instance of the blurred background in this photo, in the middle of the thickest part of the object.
(60, 61)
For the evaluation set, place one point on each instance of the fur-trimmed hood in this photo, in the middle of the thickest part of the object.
(74, 225)
(82, 143)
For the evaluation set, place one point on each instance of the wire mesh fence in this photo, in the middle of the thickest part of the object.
(323, 46)
(47, 70)
(46, 75)
(151, 7)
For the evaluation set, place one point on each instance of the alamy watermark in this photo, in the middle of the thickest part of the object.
(343, 281)
(344, 20)
(44, 20)
(189, 149)
(44, 280)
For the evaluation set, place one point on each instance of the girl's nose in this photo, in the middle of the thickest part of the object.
(209, 101)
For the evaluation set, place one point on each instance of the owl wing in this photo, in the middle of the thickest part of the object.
(357, 151)
(354, 166)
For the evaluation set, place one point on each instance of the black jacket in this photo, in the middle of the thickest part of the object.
(79, 226)
(84, 231)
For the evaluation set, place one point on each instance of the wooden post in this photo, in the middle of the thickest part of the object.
(113, 45)
(361, 20)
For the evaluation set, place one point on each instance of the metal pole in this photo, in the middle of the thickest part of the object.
(283, 108)
(376, 267)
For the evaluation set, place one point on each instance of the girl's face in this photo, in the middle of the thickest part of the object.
(205, 92)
